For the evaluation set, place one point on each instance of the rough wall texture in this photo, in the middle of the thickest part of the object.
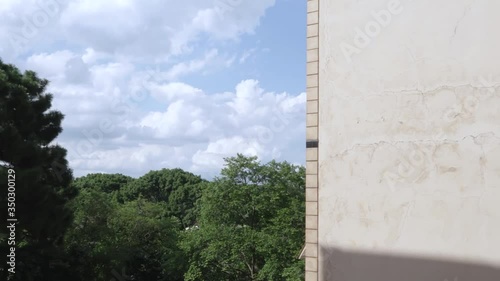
(409, 140)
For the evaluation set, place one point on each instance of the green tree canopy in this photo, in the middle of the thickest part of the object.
(108, 183)
(179, 189)
(136, 237)
(251, 225)
(112, 184)
(27, 130)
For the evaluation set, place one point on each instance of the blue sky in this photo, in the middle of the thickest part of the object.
(150, 84)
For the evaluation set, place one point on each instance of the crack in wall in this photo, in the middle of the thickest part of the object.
(395, 144)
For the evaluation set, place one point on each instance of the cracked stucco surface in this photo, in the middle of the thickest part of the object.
(409, 130)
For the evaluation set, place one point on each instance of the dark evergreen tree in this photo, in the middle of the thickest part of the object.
(28, 129)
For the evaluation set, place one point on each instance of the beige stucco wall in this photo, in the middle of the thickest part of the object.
(409, 140)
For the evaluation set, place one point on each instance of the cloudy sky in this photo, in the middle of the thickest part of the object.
(151, 84)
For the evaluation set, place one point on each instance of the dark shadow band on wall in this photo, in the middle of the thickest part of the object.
(341, 265)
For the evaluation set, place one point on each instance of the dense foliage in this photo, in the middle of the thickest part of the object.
(40, 174)
(247, 224)
(251, 223)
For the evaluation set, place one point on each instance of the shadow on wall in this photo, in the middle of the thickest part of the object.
(341, 265)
